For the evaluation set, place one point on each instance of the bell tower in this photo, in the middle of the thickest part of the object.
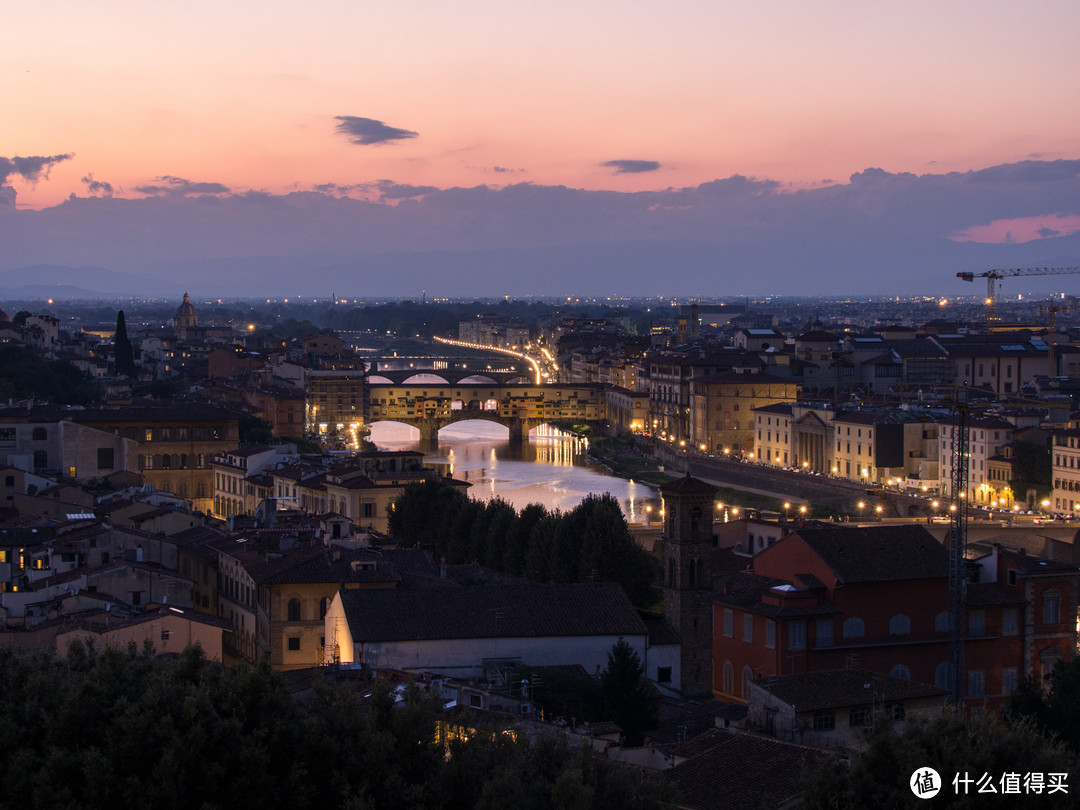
(688, 550)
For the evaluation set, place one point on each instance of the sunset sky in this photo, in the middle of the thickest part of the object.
(391, 101)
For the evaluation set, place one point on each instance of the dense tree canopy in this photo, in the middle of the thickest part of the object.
(589, 543)
(25, 374)
(125, 729)
(880, 774)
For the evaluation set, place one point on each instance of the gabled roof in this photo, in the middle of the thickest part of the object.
(875, 553)
(449, 611)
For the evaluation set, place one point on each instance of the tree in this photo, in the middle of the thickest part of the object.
(630, 699)
(879, 774)
(1057, 712)
(124, 352)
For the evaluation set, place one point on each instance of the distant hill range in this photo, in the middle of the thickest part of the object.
(44, 281)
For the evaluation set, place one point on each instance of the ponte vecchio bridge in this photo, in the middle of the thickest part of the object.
(429, 403)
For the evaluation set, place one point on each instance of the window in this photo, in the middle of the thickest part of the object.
(770, 634)
(747, 677)
(797, 635)
(854, 628)
(663, 674)
(294, 643)
(1010, 622)
(729, 622)
(824, 721)
(825, 632)
(899, 625)
(1051, 606)
(859, 717)
(41, 459)
(39, 434)
(294, 610)
(729, 678)
(976, 623)
(747, 627)
(324, 606)
(942, 621)
(897, 711)
(943, 676)
(1008, 680)
(976, 682)
(165, 634)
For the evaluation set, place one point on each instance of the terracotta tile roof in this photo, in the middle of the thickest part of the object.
(744, 772)
(877, 553)
(336, 565)
(449, 611)
(1030, 564)
(983, 594)
(832, 689)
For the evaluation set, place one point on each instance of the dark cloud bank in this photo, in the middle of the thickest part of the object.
(878, 233)
(368, 131)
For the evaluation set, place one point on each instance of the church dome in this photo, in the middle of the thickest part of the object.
(185, 316)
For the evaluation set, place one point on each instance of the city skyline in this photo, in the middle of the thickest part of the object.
(519, 151)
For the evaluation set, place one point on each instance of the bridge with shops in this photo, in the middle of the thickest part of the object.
(429, 404)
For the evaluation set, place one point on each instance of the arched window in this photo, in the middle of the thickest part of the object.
(39, 434)
(854, 628)
(900, 671)
(899, 625)
(942, 677)
(294, 610)
(729, 679)
(695, 519)
(747, 676)
(941, 622)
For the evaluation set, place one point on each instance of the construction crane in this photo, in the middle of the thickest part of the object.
(994, 276)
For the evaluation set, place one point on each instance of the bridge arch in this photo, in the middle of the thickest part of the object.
(378, 379)
(414, 431)
(476, 379)
(425, 378)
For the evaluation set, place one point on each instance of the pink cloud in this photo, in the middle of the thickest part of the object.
(1021, 229)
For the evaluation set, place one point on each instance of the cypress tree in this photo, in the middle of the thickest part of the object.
(125, 354)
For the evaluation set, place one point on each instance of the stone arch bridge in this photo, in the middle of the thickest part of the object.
(431, 406)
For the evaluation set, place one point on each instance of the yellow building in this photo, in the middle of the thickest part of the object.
(722, 408)
(175, 444)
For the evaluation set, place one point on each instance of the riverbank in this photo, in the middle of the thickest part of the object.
(623, 457)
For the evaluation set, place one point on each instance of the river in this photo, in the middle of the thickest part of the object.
(551, 470)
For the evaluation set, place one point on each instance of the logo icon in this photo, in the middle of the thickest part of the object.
(925, 783)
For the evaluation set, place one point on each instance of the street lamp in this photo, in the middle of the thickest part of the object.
(802, 510)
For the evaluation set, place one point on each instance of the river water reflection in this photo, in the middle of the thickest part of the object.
(550, 470)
